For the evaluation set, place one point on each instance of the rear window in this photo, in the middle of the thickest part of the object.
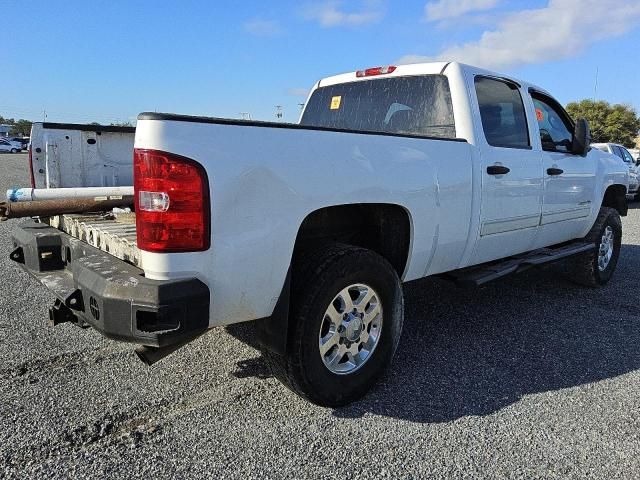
(419, 105)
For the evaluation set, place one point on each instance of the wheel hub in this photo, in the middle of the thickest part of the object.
(605, 252)
(350, 329)
(353, 329)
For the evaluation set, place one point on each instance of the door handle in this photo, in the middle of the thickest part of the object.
(497, 170)
(554, 171)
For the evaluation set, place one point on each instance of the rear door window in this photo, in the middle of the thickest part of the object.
(415, 105)
(504, 121)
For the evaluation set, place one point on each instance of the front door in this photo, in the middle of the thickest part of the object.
(569, 179)
(511, 172)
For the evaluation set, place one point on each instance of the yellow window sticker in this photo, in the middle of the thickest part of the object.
(335, 102)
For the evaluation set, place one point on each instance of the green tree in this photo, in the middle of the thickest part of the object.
(609, 123)
(21, 128)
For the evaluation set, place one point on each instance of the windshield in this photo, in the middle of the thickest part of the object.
(418, 105)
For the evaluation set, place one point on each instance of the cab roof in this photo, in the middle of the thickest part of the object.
(429, 68)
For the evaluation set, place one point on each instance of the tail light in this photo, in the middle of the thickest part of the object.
(372, 72)
(172, 202)
(33, 180)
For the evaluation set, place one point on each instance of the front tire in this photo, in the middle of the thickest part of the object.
(347, 313)
(596, 267)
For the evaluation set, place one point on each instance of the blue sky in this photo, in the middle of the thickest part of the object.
(109, 60)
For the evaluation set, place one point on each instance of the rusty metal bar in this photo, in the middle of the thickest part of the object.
(37, 194)
(43, 208)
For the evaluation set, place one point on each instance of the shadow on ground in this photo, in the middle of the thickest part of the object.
(475, 351)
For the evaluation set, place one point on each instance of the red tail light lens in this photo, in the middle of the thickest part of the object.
(172, 202)
(372, 72)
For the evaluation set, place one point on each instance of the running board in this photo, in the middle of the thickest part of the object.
(478, 275)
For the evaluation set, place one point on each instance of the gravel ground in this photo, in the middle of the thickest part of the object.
(528, 377)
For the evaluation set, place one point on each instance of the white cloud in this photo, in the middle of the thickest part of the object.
(562, 29)
(262, 28)
(443, 9)
(329, 13)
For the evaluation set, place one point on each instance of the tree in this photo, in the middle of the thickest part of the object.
(609, 123)
(21, 128)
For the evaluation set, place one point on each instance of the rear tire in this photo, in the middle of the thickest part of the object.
(595, 268)
(13, 150)
(341, 295)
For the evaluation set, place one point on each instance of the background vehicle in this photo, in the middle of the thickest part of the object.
(632, 163)
(393, 174)
(24, 142)
(67, 155)
(8, 146)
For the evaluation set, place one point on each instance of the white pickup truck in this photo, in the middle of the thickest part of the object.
(392, 174)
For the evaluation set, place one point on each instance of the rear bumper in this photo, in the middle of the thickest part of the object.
(99, 290)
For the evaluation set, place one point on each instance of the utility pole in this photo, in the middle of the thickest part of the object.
(44, 115)
(279, 112)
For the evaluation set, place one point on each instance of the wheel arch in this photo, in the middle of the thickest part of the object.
(385, 228)
(615, 196)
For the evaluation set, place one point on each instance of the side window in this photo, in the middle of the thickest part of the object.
(617, 151)
(556, 128)
(626, 155)
(502, 112)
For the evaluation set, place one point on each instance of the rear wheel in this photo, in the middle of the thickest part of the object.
(596, 267)
(347, 311)
(14, 150)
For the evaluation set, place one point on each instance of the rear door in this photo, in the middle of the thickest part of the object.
(511, 171)
(569, 179)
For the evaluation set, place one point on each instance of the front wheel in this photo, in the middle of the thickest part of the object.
(347, 312)
(596, 267)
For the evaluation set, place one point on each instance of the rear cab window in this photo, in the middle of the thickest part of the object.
(502, 113)
(412, 105)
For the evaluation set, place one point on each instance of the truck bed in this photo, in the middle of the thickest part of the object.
(116, 236)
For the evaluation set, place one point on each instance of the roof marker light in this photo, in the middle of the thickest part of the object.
(371, 72)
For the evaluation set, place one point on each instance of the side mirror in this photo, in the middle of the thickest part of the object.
(581, 138)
